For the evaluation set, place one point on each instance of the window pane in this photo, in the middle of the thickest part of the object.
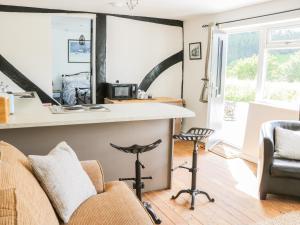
(283, 76)
(242, 67)
(285, 34)
(240, 84)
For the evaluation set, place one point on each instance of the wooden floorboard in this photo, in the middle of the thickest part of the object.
(233, 184)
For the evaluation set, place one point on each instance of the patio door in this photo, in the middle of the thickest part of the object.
(216, 87)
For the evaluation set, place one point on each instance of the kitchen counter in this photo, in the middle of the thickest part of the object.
(31, 113)
(35, 130)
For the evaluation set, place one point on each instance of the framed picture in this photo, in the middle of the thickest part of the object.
(195, 51)
(79, 53)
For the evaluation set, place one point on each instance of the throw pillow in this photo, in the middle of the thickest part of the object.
(287, 143)
(63, 179)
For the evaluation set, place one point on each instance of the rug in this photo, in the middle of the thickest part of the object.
(225, 151)
(292, 218)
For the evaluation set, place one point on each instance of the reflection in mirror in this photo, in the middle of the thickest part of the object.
(71, 39)
(53, 51)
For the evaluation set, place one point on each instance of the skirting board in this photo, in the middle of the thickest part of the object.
(249, 158)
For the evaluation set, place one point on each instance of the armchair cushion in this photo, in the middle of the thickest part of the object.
(287, 144)
(285, 168)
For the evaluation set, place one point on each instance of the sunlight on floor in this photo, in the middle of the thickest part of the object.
(245, 178)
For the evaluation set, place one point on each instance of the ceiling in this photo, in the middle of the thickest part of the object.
(171, 9)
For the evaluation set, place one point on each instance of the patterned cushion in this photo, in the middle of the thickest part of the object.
(22, 200)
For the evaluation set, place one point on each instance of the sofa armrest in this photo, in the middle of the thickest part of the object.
(94, 170)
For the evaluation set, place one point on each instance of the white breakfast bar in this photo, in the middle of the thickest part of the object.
(35, 130)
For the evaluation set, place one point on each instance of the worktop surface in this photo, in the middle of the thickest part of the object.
(29, 112)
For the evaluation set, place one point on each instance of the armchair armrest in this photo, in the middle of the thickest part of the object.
(266, 154)
(94, 170)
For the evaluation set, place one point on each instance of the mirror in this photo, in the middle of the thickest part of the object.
(54, 51)
(71, 41)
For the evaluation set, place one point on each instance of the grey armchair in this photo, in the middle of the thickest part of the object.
(277, 175)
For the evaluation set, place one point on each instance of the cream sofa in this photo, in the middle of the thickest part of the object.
(23, 201)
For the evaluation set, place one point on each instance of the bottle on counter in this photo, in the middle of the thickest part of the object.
(4, 92)
(4, 108)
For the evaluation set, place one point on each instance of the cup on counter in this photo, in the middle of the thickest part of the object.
(11, 103)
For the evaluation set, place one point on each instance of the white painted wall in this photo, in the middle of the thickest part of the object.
(258, 114)
(63, 29)
(193, 32)
(135, 47)
(12, 86)
(26, 43)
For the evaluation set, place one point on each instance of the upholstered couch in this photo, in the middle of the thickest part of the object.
(277, 175)
(23, 201)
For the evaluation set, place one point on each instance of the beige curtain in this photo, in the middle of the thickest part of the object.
(204, 90)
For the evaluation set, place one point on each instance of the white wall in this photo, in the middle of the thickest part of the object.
(258, 114)
(26, 43)
(65, 28)
(135, 47)
(193, 32)
(12, 86)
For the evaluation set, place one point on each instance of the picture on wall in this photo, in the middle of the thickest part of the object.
(79, 52)
(195, 51)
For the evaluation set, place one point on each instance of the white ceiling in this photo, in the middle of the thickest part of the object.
(172, 9)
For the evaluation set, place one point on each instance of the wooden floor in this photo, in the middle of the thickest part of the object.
(232, 182)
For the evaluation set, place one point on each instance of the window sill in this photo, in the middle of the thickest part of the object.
(281, 105)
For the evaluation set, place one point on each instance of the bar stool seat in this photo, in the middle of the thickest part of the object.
(138, 185)
(196, 135)
(137, 149)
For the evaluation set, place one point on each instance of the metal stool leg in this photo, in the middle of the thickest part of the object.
(139, 185)
(181, 192)
(193, 191)
(150, 210)
(207, 195)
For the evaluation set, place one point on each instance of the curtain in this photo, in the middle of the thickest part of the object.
(204, 90)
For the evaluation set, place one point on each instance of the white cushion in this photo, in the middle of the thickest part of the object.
(287, 143)
(63, 179)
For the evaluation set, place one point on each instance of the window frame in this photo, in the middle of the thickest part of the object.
(266, 44)
(282, 43)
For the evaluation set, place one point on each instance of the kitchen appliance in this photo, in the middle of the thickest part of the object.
(121, 91)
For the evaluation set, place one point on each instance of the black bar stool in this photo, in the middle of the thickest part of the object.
(138, 185)
(196, 135)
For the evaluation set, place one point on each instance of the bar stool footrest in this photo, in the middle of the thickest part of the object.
(180, 166)
(125, 179)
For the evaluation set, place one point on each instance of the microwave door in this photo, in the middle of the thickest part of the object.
(122, 92)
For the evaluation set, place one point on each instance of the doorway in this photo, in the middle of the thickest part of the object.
(72, 69)
(240, 84)
(262, 66)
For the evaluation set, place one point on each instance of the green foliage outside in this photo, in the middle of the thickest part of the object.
(240, 92)
(243, 69)
(283, 68)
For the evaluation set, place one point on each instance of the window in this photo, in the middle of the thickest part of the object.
(288, 34)
(242, 66)
(268, 58)
(282, 78)
(282, 81)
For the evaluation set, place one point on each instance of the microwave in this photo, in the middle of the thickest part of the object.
(121, 91)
